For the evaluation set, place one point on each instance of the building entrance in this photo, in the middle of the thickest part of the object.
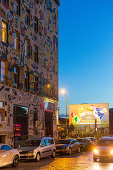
(20, 124)
(48, 123)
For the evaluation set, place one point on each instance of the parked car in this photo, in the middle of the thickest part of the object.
(93, 139)
(103, 149)
(67, 146)
(8, 156)
(36, 148)
(85, 143)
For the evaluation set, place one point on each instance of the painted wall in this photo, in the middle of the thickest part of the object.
(46, 69)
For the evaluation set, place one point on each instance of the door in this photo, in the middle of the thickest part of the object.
(49, 147)
(48, 123)
(43, 148)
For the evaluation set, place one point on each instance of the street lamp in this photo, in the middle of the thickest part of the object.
(63, 92)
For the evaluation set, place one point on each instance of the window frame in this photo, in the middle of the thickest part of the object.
(36, 25)
(27, 16)
(6, 32)
(17, 40)
(26, 80)
(17, 3)
(3, 68)
(16, 76)
(35, 83)
(36, 53)
(27, 47)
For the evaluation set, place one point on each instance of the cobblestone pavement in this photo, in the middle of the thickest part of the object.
(81, 161)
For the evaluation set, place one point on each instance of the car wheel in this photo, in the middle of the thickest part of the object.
(38, 157)
(78, 150)
(95, 159)
(53, 154)
(15, 161)
(70, 151)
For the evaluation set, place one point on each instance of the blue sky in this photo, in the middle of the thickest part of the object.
(86, 52)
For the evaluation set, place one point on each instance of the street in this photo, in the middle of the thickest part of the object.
(81, 161)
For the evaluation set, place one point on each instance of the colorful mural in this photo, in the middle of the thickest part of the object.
(88, 113)
(46, 69)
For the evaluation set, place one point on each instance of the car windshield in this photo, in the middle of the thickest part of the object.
(81, 140)
(31, 143)
(63, 142)
(105, 143)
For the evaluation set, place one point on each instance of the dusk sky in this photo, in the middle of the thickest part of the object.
(86, 52)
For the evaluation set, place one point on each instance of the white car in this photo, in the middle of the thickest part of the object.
(8, 156)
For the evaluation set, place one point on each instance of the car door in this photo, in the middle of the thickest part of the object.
(48, 147)
(43, 148)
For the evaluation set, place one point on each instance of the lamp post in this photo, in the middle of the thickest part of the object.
(63, 92)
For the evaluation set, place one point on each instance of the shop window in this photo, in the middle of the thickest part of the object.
(36, 25)
(16, 77)
(2, 111)
(17, 7)
(17, 40)
(35, 83)
(27, 17)
(4, 32)
(36, 53)
(26, 80)
(3, 71)
(5, 2)
(27, 48)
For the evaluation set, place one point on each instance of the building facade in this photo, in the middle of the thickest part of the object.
(28, 69)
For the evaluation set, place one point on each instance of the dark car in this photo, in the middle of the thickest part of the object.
(103, 149)
(85, 143)
(93, 139)
(67, 146)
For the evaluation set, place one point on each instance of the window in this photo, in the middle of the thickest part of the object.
(27, 17)
(6, 2)
(17, 7)
(35, 83)
(16, 77)
(17, 40)
(4, 32)
(36, 25)
(49, 141)
(36, 53)
(26, 80)
(27, 48)
(43, 143)
(2, 111)
(5, 147)
(3, 71)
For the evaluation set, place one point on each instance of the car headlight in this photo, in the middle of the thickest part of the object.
(96, 151)
(111, 152)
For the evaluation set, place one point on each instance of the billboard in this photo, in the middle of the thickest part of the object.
(83, 114)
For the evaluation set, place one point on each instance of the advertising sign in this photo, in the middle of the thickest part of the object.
(84, 114)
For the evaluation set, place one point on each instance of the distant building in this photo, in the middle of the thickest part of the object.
(28, 69)
(111, 121)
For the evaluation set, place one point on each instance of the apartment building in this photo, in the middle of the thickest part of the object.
(28, 69)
